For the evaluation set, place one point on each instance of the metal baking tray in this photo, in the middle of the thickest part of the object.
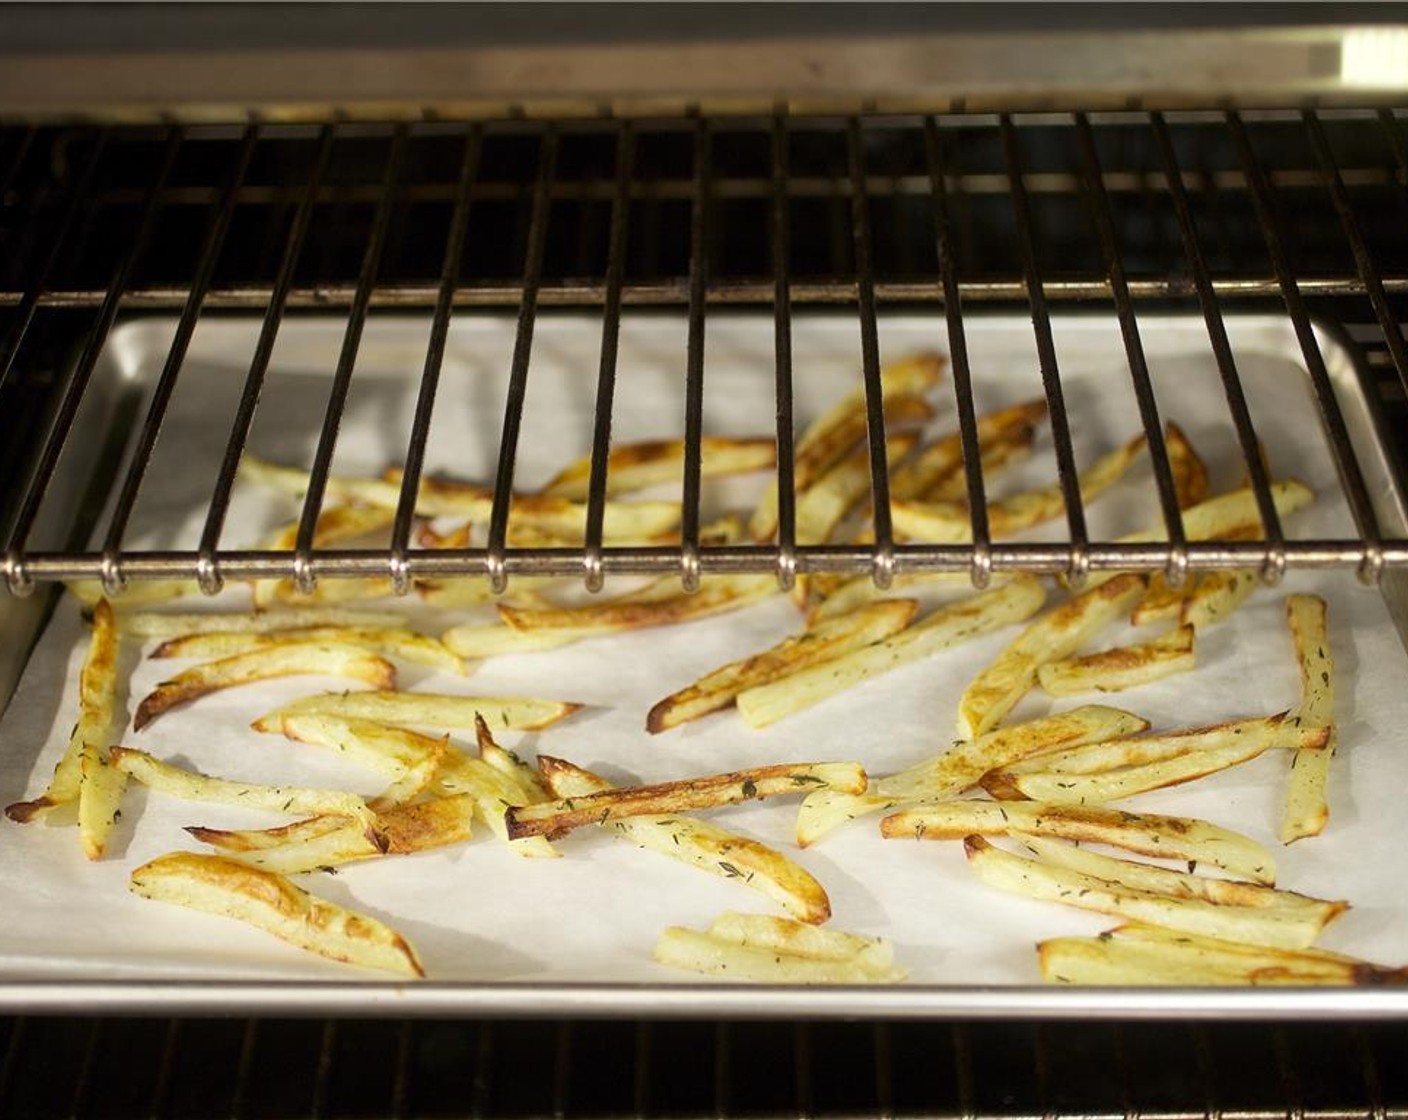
(826, 353)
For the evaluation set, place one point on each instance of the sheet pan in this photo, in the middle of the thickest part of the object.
(502, 934)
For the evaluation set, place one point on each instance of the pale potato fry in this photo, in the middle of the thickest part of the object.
(797, 939)
(823, 505)
(327, 659)
(942, 460)
(312, 850)
(688, 795)
(99, 799)
(239, 840)
(713, 956)
(477, 641)
(385, 748)
(961, 767)
(396, 641)
(1129, 957)
(97, 692)
(138, 593)
(942, 629)
(635, 466)
(702, 844)
(334, 590)
(191, 785)
(1281, 928)
(1215, 596)
(1139, 750)
(949, 522)
(1176, 884)
(1114, 670)
(1232, 514)
(1147, 834)
(1162, 601)
(716, 595)
(824, 643)
(859, 591)
(1053, 636)
(1307, 812)
(426, 709)
(336, 524)
(954, 486)
(156, 624)
(472, 591)
(508, 764)
(1240, 742)
(225, 887)
(415, 780)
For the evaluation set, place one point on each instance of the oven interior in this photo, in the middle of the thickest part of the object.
(1113, 213)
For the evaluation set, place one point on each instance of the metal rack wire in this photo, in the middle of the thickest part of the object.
(975, 189)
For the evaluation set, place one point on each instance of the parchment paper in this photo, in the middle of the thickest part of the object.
(478, 912)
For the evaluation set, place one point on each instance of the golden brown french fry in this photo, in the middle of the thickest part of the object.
(241, 840)
(383, 747)
(1147, 834)
(327, 843)
(138, 593)
(459, 536)
(99, 799)
(702, 844)
(949, 523)
(156, 624)
(635, 466)
(823, 505)
(525, 777)
(225, 887)
(1307, 812)
(191, 785)
(1129, 957)
(1053, 636)
(702, 952)
(556, 818)
(415, 780)
(327, 659)
(1114, 670)
(1209, 750)
(1231, 514)
(97, 691)
(426, 709)
(332, 590)
(1139, 750)
(1190, 473)
(942, 629)
(992, 460)
(1175, 884)
(941, 462)
(716, 595)
(1278, 927)
(1162, 601)
(1216, 595)
(335, 525)
(822, 644)
(396, 641)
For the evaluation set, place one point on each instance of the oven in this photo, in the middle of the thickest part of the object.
(352, 188)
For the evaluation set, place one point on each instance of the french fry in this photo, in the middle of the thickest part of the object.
(1162, 601)
(823, 505)
(335, 842)
(1114, 670)
(436, 823)
(156, 624)
(954, 486)
(426, 709)
(97, 691)
(478, 641)
(529, 783)
(415, 780)
(716, 595)
(961, 767)
(701, 952)
(1239, 742)
(1177, 884)
(225, 887)
(1143, 956)
(335, 524)
(941, 462)
(798, 939)
(702, 844)
(1277, 927)
(1147, 834)
(1233, 514)
(949, 523)
(1140, 750)
(1217, 595)
(1190, 473)
(396, 641)
(1307, 812)
(860, 591)
(331, 591)
(472, 591)
(459, 536)
(824, 643)
(240, 840)
(556, 818)
(139, 593)
(191, 785)
(99, 799)
(382, 747)
(943, 629)
(1053, 636)
(635, 466)
(328, 659)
